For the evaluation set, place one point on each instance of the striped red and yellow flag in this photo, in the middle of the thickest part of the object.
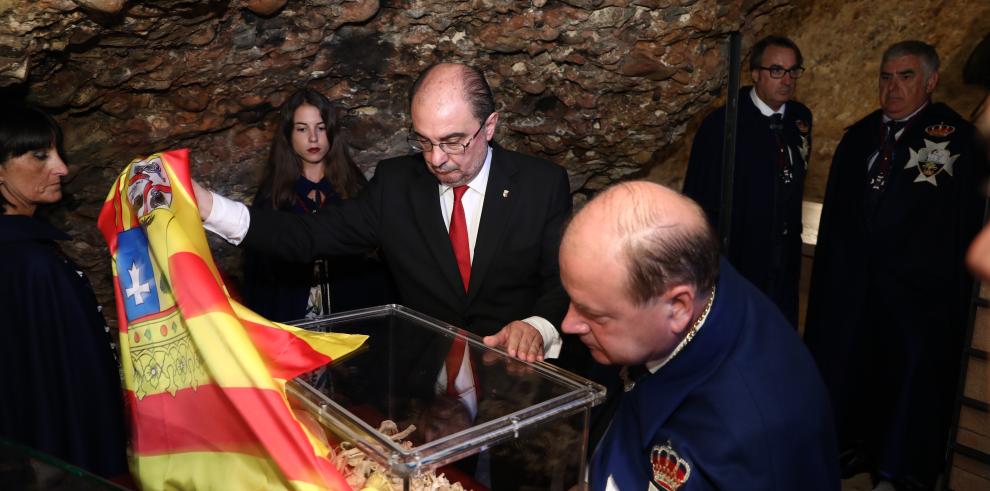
(204, 376)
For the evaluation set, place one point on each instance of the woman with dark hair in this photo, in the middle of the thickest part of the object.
(308, 168)
(59, 380)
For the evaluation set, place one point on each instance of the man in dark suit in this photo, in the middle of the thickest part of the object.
(889, 293)
(505, 285)
(772, 148)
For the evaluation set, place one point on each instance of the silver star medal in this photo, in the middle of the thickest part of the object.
(931, 160)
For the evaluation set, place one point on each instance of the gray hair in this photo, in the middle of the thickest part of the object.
(913, 47)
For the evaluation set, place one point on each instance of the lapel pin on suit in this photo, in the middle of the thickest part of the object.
(505, 193)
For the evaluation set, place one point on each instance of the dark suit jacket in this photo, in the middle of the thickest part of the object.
(279, 290)
(514, 273)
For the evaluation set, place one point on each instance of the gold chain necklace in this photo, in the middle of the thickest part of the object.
(629, 384)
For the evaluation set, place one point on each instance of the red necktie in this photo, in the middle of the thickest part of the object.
(462, 251)
(459, 237)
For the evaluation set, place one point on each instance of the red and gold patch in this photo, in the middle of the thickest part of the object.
(940, 130)
(670, 470)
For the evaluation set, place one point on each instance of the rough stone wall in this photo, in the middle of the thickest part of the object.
(601, 87)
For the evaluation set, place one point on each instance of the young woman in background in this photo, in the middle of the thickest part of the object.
(309, 168)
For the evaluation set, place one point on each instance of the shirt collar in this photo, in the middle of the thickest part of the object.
(909, 116)
(763, 107)
(480, 181)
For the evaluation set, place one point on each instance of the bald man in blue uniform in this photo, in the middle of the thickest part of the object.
(731, 398)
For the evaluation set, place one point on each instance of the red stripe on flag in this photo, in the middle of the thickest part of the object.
(196, 289)
(200, 419)
(286, 355)
(108, 220)
(211, 419)
(179, 162)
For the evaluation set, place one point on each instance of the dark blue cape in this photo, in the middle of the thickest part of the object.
(58, 378)
(765, 238)
(742, 404)
(889, 291)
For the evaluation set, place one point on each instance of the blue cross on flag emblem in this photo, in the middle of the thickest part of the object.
(136, 275)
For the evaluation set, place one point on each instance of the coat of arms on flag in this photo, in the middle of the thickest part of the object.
(204, 376)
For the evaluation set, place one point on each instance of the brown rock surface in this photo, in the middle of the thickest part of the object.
(103, 6)
(264, 7)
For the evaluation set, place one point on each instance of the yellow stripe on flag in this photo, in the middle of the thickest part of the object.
(332, 346)
(233, 359)
(204, 471)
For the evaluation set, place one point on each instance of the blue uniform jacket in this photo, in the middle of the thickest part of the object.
(740, 407)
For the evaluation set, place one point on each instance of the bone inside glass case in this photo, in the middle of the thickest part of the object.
(391, 424)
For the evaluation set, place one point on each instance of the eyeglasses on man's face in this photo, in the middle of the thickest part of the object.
(421, 144)
(777, 71)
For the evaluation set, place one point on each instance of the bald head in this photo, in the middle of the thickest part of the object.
(446, 82)
(450, 107)
(660, 236)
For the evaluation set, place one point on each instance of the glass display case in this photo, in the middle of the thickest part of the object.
(526, 427)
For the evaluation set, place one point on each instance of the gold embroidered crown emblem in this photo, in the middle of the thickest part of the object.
(940, 130)
(670, 471)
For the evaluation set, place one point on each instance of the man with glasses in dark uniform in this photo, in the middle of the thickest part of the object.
(773, 143)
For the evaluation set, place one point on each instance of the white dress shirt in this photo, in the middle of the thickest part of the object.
(763, 107)
(767, 111)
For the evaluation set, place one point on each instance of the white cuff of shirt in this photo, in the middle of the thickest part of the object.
(551, 338)
(228, 218)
